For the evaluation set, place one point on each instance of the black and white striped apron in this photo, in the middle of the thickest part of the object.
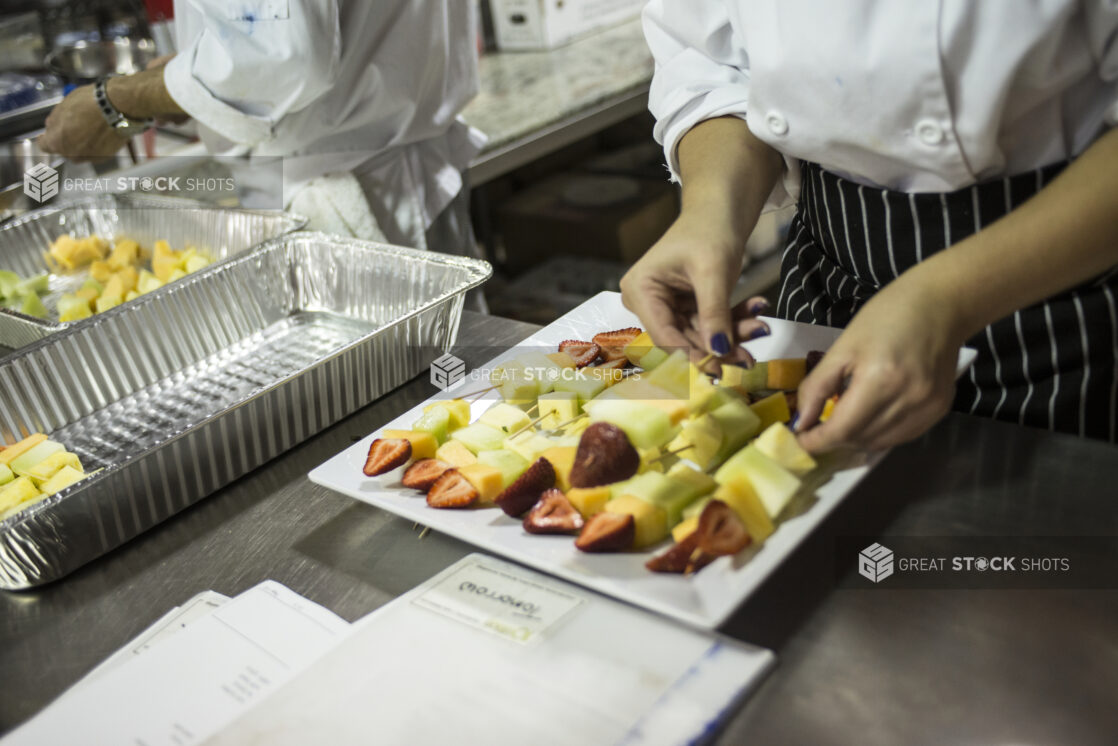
(1052, 365)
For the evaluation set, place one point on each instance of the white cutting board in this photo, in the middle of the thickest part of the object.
(704, 599)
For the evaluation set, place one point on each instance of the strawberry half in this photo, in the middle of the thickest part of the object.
(720, 530)
(451, 490)
(607, 532)
(525, 491)
(385, 454)
(682, 557)
(424, 473)
(583, 353)
(553, 514)
(613, 343)
(604, 456)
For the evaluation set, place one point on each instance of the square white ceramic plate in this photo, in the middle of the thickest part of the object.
(703, 600)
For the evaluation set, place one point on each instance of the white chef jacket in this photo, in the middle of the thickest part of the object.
(336, 85)
(916, 96)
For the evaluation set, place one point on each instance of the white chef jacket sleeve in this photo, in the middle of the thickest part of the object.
(254, 62)
(1102, 29)
(702, 72)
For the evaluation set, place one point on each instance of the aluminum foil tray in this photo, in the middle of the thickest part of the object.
(190, 387)
(220, 232)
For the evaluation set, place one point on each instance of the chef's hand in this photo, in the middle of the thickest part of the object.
(681, 289)
(77, 130)
(894, 366)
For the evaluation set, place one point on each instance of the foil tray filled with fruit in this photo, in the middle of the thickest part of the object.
(62, 264)
(601, 458)
(119, 421)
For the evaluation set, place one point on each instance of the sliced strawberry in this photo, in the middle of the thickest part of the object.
(682, 557)
(607, 532)
(385, 454)
(604, 456)
(451, 490)
(553, 514)
(583, 353)
(523, 493)
(613, 343)
(720, 530)
(424, 473)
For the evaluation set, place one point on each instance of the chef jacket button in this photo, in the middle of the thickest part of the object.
(778, 125)
(929, 132)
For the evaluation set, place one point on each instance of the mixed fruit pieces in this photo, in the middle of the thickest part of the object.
(34, 469)
(117, 273)
(653, 450)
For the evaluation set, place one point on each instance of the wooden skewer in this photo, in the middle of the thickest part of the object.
(676, 452)
(562, 425)
(422, 534)
(528, 426)
(480, 392)
(705, 360)
(534, 407)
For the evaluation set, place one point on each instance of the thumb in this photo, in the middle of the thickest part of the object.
(822, 383)
(712, 296)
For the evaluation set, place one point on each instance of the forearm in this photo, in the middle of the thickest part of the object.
(1065, 235)
(727, 174)
(143, 95)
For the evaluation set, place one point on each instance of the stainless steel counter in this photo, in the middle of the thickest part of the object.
(873, 666)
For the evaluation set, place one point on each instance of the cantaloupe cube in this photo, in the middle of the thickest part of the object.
(740, 496)
(65, 477)
(14, 451)
(786, 374)
(423, 445)
(828, 408)
(780, 444)
(455, 454)
(486, 480)
(773, 408)
(589, 500)
(651, 520)
(685, 528)
(562, 459)
(645, 425)
(738, 424)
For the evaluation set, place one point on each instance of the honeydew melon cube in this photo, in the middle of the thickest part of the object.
(14, 451)
(731, 376)
(673, 374)
(642, 390)
(423, 444)
(458, 409)
(65, 477)
(589, 501)
(562, 359)
(701, 390)
(542, 368)
(685, 528)
(105, 302)
(8, 283)
(562, 459)
(530, 445)
(509, 463)
(654, 358)
(520, 391)
(131, 295)
(557, 408)
(33, 306)
(695, 509)
(650, 520)
(455, 454)
(650, 460)
(780, 444)
(702, 437)
(52, 464)
(73, 308)
(774, 484)
(436, 422)
(740, 496)
(487, 480)
(479, 437)
(178, 274)
(576, 428)
(686, 485)
(646, 485)
(738, 422)
(505, 417)
(645, 425)
(583, 385)
(773, 408)
(195, 263)
(17, 492)
(148, 282)
(6, 474)
(755, 378)
(33, 285)
(638, 348)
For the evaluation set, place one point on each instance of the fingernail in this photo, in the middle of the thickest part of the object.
(794, 423)
(720, 344)
(760, 332)
(759, 307)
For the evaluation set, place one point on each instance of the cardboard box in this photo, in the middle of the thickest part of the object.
(545, 24)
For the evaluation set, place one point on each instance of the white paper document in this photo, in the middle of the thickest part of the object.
(488, 652)
(191, 673)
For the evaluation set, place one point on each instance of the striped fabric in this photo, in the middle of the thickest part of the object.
(1051, 365)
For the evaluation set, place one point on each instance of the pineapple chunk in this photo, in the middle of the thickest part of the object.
(455, 454)
(423, 445)
(100, 271)
(125, 254)
(562, 459)
(774, 485)
(505, 417)
(195, 263)
(557, 408)
(65, 477)
(780, 444)
(487, 480)
(589, 500)
(14, 451)
(33, 456)
(702, 437)
(51, 465)
(743, 500)
(14, 494)
(651, 520)
(6, 474)
(638, 348)
(106, 301)
(147, 282)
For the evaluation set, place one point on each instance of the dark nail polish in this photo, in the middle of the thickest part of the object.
(720, 344)
(759, 307)
(794, 422)
(760, 332)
